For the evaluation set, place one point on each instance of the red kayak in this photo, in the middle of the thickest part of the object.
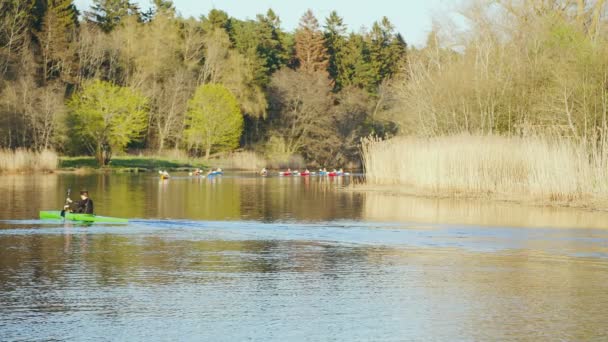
(332, 174)
(304, 174)
(284, 173)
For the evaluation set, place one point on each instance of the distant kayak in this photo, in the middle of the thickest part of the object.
(56, 215)
(215, 173)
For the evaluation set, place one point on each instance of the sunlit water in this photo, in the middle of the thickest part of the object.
(250, 258)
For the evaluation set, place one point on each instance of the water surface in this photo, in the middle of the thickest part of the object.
(242, 257)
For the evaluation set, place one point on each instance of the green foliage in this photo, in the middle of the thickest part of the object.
(214, 120)
(130, 162)
(107, 117)
(110, 13)
(335, 41)
(216, 19)
(262, 42)
(386, 50)
(159, 57)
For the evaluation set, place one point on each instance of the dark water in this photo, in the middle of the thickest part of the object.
(249, 258)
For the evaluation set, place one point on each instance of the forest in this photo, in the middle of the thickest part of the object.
(116, 78)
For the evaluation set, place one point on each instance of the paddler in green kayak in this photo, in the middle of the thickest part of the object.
(84, 206)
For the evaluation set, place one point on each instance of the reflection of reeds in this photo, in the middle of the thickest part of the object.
(554, 169)
(398, 208)
(27, 160)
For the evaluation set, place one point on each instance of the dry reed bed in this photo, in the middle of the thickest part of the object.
(550, 168)
(26, 160)
(244, 160)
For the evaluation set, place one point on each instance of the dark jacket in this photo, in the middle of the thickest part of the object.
(82, 207)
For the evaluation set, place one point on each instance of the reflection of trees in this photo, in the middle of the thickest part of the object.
(300, 198)
(144, 196)
(23, 195)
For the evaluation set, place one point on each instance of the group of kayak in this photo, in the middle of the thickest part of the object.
(195, 173)
(306, 172)
(210, 173)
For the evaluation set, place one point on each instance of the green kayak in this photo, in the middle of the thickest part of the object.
(56, 215)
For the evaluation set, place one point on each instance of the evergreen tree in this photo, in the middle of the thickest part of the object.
(355, 68)
(109, 13)
(335, 41)
(387, 49)
(310, 45)
(216, 19)
(55, 38)
(260, 41)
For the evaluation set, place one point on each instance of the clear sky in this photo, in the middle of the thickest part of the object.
(412, 18)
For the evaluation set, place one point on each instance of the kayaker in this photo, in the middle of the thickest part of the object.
(264, 172)
(84, 206)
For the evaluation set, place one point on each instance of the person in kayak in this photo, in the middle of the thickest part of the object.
(84, 206)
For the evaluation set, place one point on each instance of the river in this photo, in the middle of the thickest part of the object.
(241, 257)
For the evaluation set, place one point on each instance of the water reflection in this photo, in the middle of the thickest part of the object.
(250, 258)
(383, 207)
(220, 198)
(275, 282)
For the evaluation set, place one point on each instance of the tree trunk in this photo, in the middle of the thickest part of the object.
(99, 155)
(207, 152)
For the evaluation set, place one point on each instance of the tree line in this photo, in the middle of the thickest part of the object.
(115, 76)
(519, 68)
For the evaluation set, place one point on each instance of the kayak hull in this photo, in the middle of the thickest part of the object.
(56, 215)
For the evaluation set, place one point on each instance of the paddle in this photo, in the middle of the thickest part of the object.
(67, 195)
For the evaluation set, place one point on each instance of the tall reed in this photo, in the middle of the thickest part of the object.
(26, 160)
(551, 167)
(244, 160)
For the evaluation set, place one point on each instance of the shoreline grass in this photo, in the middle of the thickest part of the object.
(546, 170)
(23, 160)
(241, 161)
(131, 163)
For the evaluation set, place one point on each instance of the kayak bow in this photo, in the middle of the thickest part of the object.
(56, 215)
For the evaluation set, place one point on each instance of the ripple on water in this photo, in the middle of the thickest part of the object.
(213, 280)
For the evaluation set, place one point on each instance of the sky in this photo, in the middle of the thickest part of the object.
(412, 18)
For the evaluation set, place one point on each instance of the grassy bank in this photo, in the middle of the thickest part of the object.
(22, 160)
(132, 163)
(552, 170)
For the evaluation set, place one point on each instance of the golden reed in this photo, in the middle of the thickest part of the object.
(556, 169)
(27, 160)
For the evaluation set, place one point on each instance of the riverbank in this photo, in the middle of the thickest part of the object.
(399, 192)
(130, 164)
(536, 170)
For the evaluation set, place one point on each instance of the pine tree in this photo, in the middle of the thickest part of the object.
(335, 41)
(109, 13)
(217, 19)
(387, 49)
(310, 45)
(55, 37)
